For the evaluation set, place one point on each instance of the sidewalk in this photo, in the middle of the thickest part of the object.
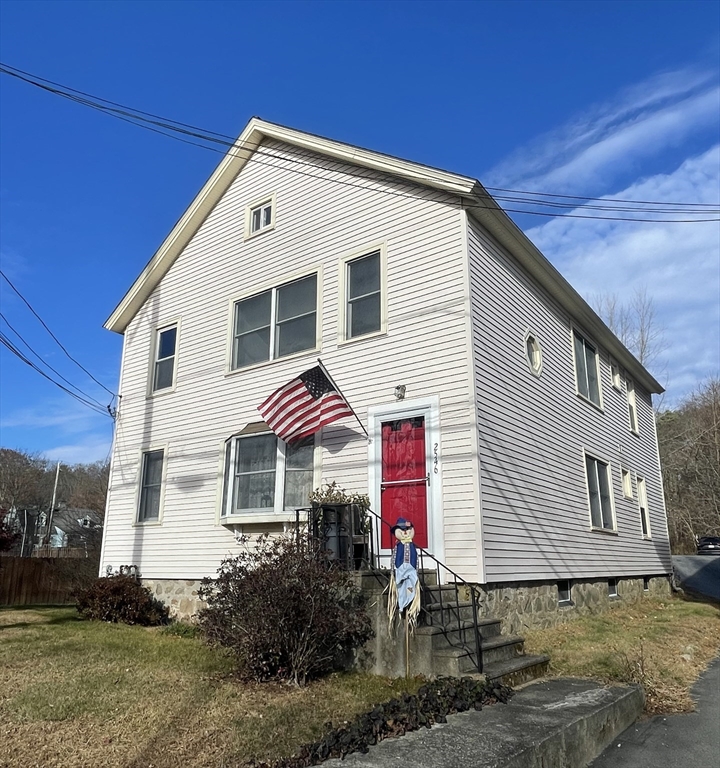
(560, 723)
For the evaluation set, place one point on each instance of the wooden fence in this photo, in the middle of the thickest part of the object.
(43, 580)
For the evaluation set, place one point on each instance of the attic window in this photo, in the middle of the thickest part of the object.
(260, 216)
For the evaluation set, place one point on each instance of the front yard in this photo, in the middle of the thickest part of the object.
(80, 693)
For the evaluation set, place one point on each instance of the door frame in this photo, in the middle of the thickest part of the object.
(429, 408)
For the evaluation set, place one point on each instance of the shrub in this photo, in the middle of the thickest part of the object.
(284, 611)
(120, 599)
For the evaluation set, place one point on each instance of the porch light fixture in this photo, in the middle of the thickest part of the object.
(400, 392)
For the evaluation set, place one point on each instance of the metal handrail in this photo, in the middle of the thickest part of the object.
(371, 558)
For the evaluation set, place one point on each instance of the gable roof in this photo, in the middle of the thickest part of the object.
(479, 203)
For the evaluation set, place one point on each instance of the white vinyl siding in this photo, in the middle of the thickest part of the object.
(424, 346)
(533, 432)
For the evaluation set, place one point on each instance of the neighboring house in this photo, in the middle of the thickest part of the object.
(526, 425)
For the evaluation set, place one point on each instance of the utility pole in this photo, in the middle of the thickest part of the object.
(52, 505)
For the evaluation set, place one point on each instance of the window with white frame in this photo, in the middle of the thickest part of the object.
(275, 323)
(586, 369)
(150, 485)
(615, 375)
(627, 484)
(164, 358)
(632, 406)
(364, 295)
(599, 484)
(533, 353)
(261, 216)
(263, 474)
(643, 507)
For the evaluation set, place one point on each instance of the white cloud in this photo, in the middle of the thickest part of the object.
(607, 141)
(679, 264)
(90, 449)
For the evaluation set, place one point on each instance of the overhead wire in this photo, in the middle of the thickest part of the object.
(168, 127)
(47, 365)
(55, 338)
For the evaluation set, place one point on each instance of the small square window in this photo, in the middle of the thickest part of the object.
(613, 588)
(260, 217)
(564, 593)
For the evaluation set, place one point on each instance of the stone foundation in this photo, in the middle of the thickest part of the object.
(534, 605)
(180, 595)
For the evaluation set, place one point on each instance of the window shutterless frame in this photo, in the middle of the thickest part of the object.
(266, 477)
(277, 322)
(151, 486)
(587, 369)
(533, 352)
(632, 407)
(643, 508)
(599, 483)
(260, 216)
(363, 293)
(164, 359)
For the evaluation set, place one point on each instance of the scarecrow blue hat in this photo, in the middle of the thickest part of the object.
(401, 523)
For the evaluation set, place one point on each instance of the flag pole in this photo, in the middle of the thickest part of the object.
(337, 389)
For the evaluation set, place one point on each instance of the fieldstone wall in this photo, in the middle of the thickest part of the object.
(180, 595)
(534, 605)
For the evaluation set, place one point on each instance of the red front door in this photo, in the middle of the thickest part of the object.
(403, 492)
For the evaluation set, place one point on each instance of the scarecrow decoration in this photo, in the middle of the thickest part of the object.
(404, 586)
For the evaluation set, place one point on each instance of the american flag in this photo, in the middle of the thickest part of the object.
(304, 405)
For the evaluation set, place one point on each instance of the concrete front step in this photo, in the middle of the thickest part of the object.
(517, 671)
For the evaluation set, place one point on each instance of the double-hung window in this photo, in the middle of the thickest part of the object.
(263, 474)
(163, 376)
(150, 486)
(364, 295)
(643, 506)
(632, 406)
(586, 369)
(599, 485)
(275, 323)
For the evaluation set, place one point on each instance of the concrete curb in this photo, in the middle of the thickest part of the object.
(559, 723)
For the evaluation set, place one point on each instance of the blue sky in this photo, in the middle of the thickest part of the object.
(614, 99)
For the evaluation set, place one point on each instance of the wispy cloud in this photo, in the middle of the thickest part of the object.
(611, 140)
(679, 264)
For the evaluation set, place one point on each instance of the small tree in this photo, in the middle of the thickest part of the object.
(283, 610)
(8, 536)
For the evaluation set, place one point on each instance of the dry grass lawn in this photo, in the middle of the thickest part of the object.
(663, 644)
(78, 693)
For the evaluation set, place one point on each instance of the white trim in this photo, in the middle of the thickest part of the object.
(156, 331)
(474, 421)
(632, 406)
(137, 523)
(260, 202)
(611, 488)
(354, 255)
(429, 408)
(535, 370)
(615, 375)
(623, 474)
(317, 271)
(574, 330)
(642, 497)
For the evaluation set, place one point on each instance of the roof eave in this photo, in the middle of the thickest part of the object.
(491, 216)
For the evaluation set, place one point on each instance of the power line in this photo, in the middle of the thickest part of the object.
(57, 341)
(46, 364)
(7, 343)
(157, 124)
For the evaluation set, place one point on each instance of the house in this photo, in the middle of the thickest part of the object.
(525, 426)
